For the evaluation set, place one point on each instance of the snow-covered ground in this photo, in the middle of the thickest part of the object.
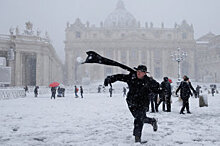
(98, 119)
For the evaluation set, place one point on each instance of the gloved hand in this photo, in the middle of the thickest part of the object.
(195, 93)
(107, 81)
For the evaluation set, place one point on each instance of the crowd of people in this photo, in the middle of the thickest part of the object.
(145, 91)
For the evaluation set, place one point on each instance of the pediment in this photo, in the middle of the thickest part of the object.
(77, 25)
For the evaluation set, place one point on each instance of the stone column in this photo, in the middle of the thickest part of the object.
(148, 60)
(18, 69)
(46, 70)
(139, 56)
(39, 75)
(115, 53)
(152, 62)
(12, 65)
(69, 69)
(127, 57)
(164, 63)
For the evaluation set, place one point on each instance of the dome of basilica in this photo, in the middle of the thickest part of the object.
(120, 18)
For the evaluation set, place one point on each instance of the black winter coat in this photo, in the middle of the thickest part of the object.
(138, 88)
(53, 90)
(36, 90)
(185, 91)
(166, 88)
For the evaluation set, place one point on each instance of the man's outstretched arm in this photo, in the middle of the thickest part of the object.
(114, 78)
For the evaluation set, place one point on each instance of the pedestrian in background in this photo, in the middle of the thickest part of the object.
(185, 88)
(36, 91)
(76, 91)
(81, 91)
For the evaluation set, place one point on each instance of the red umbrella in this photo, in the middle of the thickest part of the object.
(170, 80)
(54, 84)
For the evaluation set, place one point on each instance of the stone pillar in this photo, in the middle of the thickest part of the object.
(18, 69)
(50, 69)
(127, 56)
(69, 68)
(164, 63)
(152, 62)
(139, 56)
(46, 70)
(148, 60)
(117, 59)
(39, 75)
(12, 65)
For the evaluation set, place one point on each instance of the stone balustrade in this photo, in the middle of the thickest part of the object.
(11, 93)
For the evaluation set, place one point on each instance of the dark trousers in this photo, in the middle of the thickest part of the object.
(53, 95)
(185, 105)
(81, 95)
(153, 103)
(140, 118)
(163, 105)
(168, 98)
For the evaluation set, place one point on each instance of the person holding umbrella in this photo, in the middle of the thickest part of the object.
(53, 89)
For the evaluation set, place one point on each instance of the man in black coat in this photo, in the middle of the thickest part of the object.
(213, 91)
(166, 93)
(81, 91)
(137, 98)
(185, 93)
(36, 91)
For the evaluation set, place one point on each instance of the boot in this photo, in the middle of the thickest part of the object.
(137, 139)
(154, 124)
(182, 113)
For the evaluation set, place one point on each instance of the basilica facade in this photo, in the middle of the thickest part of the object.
(28, 58)
(121, 37)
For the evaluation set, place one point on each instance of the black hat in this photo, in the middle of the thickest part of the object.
(142, 68)
(165, 78)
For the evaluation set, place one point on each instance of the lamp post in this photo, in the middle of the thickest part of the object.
(178, 56)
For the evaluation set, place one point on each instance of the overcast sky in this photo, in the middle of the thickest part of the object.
(52, 15)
